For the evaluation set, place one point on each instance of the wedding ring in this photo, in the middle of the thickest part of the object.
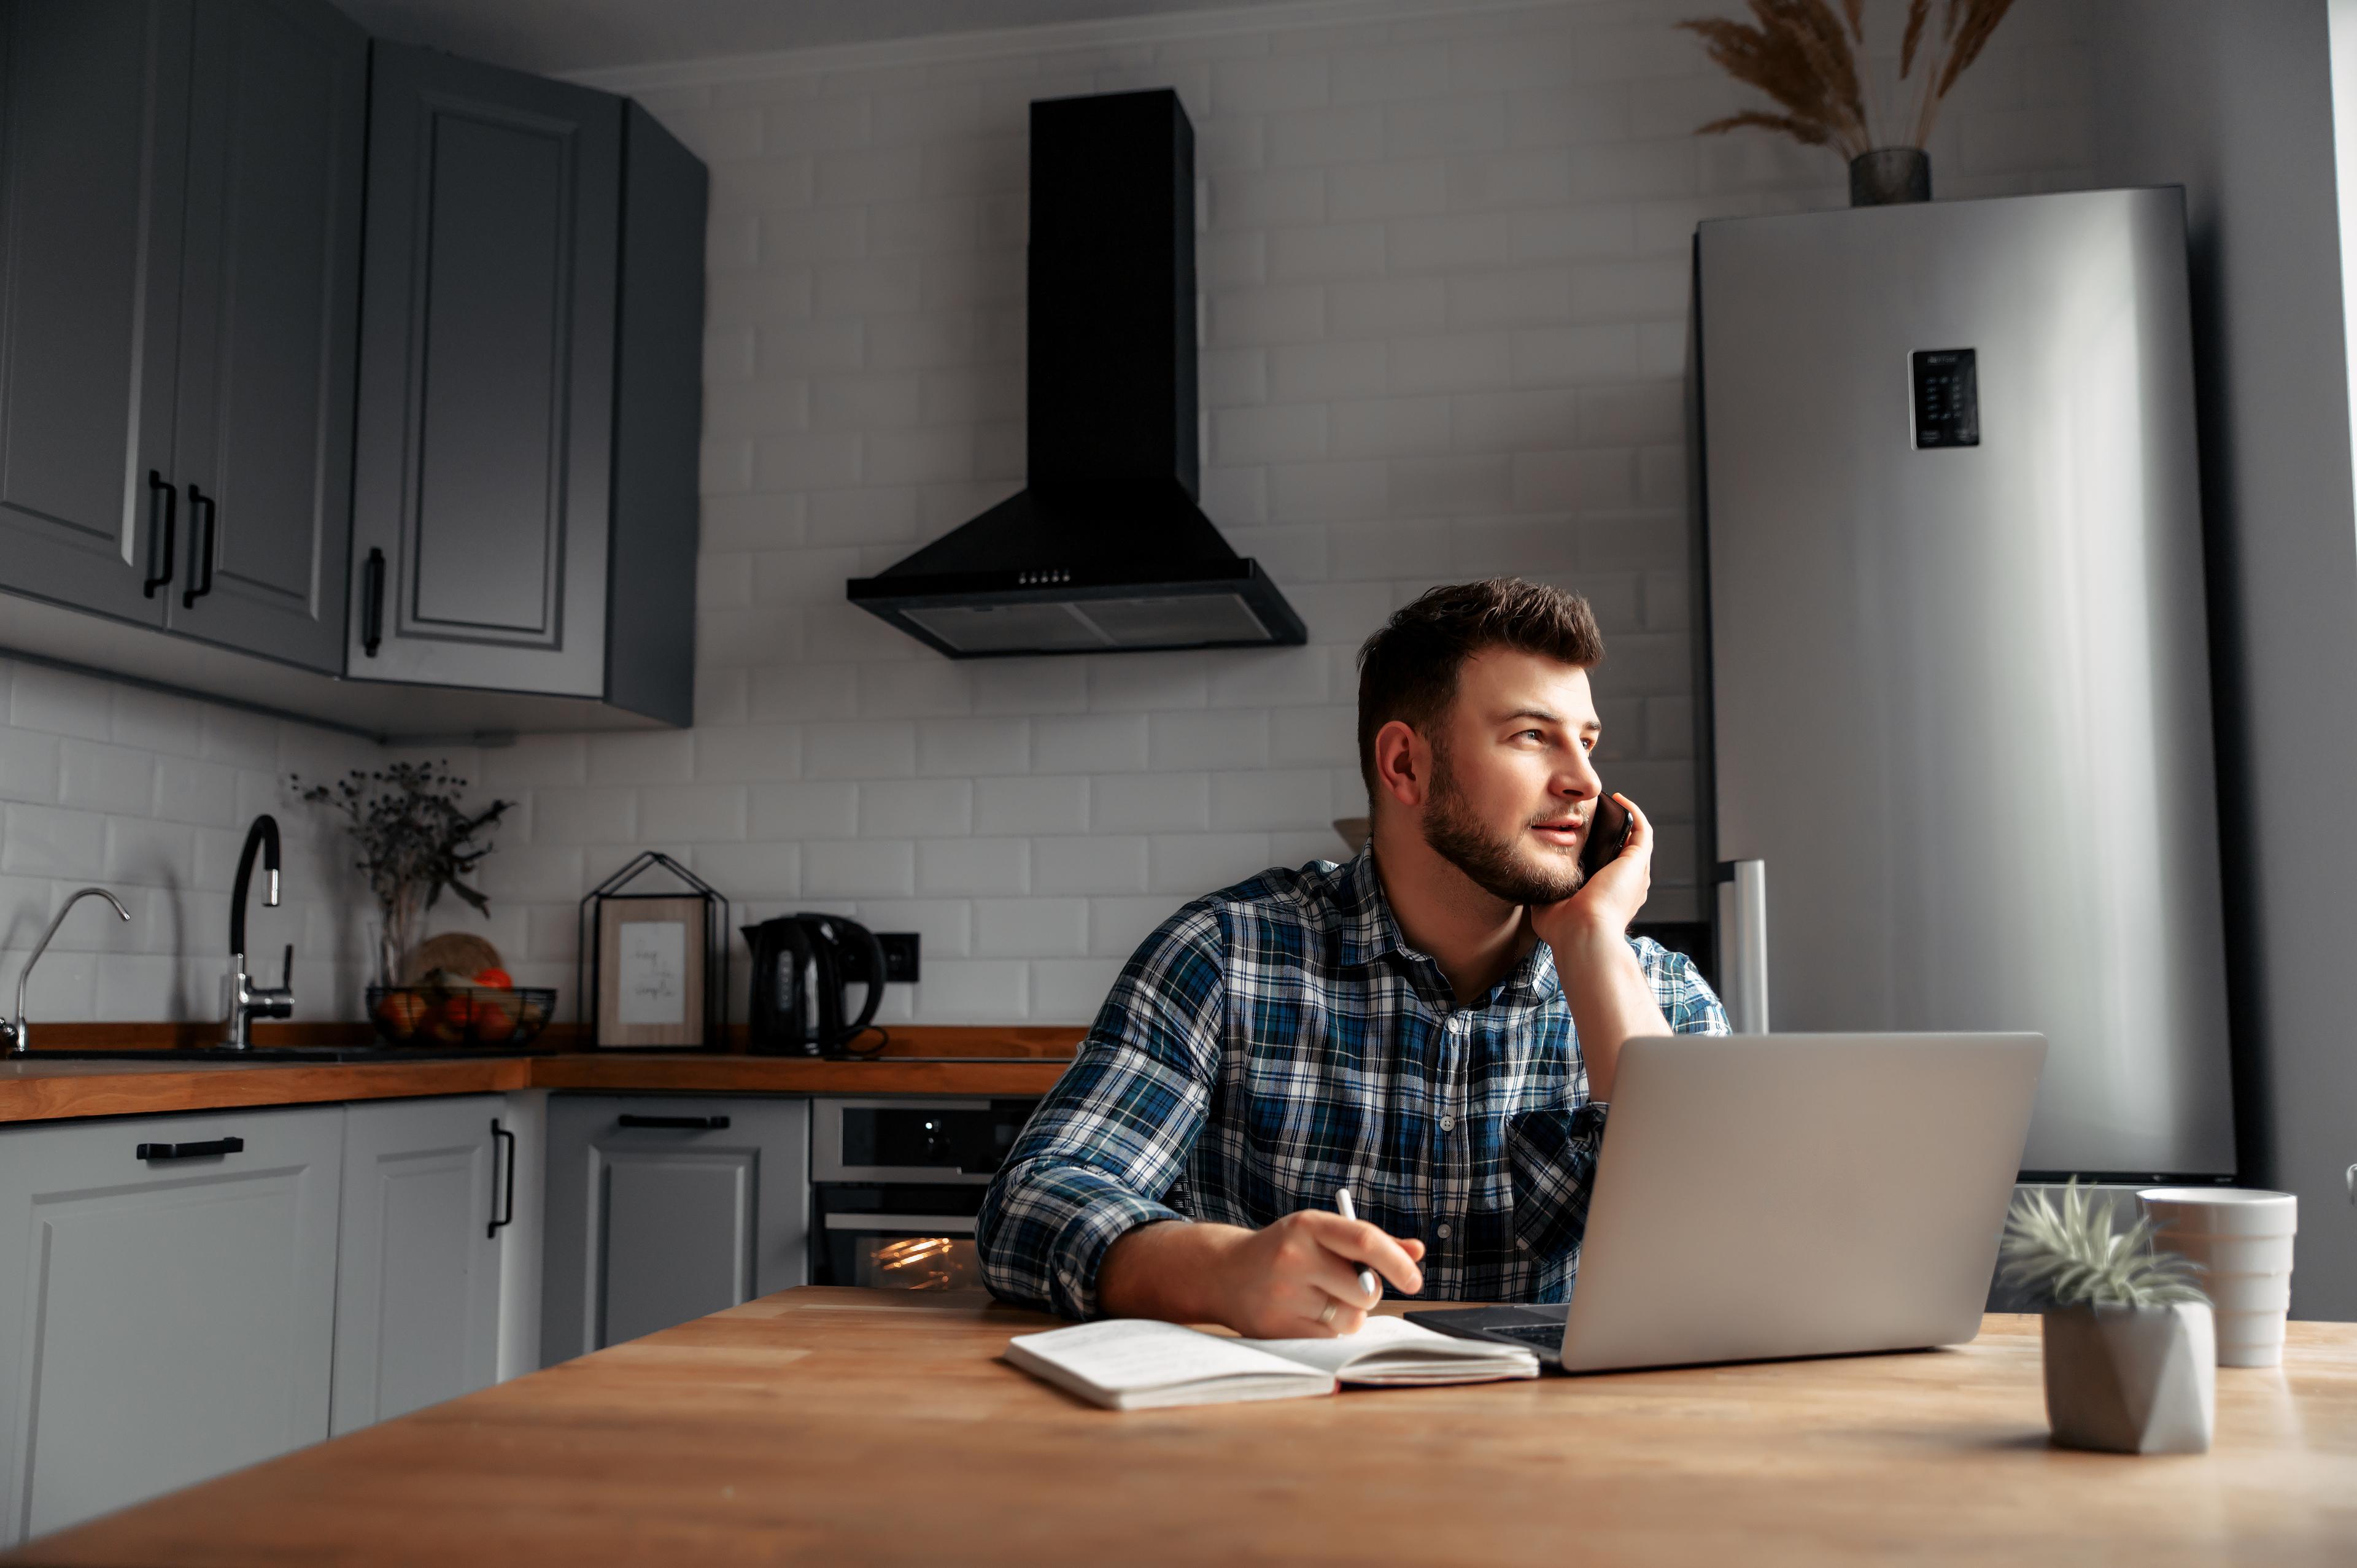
(1326, 1316)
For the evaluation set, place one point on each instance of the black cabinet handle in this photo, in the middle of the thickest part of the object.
(160, 576)
(508, 1218)
(200, 548)
(191, 1151)
(372, 603)
(678, 1123)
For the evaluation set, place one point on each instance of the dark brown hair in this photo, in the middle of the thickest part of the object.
(1408, 670)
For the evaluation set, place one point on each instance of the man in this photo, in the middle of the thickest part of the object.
(1434, 1025)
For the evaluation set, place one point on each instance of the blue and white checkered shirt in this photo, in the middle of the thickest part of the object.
(1279, 1040)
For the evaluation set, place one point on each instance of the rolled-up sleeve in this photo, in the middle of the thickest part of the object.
(1110, 1139)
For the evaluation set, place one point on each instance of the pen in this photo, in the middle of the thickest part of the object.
(1343, 1202)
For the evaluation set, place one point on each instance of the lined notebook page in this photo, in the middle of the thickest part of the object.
(1131, 1363)
(1392, 1351)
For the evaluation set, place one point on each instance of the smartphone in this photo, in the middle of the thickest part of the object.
(1608, 834)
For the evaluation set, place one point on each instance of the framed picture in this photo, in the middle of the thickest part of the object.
(651, 969)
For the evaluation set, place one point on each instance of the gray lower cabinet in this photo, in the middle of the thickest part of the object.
(661, 1208)
(179, 274)
(417, 1270)
(168, 1301)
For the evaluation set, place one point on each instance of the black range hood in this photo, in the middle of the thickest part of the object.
(1106, 551)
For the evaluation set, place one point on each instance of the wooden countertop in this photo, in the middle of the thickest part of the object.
(940, 1060)
(859, 1426)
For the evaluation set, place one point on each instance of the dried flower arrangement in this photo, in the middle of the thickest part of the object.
(1800, 55)
(415, 840)
(2071, 1254)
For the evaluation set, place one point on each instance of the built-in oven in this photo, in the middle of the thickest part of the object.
(896, 1184)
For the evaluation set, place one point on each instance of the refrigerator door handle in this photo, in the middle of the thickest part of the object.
(1743, 957)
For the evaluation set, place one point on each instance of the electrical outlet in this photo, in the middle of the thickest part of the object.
(900, 956)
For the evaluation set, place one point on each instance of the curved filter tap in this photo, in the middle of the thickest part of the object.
(14, 1032)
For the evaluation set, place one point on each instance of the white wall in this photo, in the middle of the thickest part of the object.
(1444, 259)
(148, 795)
(2238, 107)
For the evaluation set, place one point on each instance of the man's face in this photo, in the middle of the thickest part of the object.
(1512, 785)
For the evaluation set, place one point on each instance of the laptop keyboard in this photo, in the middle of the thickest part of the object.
(1546, 1335)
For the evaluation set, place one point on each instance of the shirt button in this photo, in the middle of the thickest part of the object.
(1447, 1123)
(1441, 1232)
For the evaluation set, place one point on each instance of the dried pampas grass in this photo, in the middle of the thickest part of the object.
(1801, 56)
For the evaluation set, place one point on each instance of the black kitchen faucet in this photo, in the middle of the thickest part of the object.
(240, 998)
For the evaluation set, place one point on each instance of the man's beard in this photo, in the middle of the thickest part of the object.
(1490, 861)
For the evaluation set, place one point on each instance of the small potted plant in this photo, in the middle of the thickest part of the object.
(415, 840)
(2131, 1351)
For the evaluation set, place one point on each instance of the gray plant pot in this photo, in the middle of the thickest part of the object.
(2132, 1380)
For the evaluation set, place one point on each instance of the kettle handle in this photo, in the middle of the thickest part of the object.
(873, 951)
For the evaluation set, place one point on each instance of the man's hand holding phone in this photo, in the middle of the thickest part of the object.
(1610, 996)
(1617, 856)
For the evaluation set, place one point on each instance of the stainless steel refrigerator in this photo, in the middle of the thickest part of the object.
(1959, 678)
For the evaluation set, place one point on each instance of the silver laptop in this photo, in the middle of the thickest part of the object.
(1760, 1196)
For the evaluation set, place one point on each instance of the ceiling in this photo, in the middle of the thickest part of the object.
(560, 36)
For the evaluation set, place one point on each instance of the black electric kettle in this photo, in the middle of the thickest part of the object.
(802, 964)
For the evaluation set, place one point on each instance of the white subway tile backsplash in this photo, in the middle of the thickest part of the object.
(188, 790)
(1090, 743)
(1031, 805)
(1151, 803)
(859, 868)
(691, 813)
(649, 756)
(1037, 926)
(1071, 989)
(980, 990)
(1116, 926)
(1101, 862)
(1189, 864)
(585, 816)
(813, 810)
(908, 808)
(59, 701)
(1271, 798)
(973, 865)
(1214, 737)
(29, 766)
(860, 750)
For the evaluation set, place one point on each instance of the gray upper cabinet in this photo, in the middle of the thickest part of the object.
(93, 114)
(180, 279)
(269, 327)
(490, 548)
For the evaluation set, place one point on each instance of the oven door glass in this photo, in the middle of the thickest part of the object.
(903, 1251)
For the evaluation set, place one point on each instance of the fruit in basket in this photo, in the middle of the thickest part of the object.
(493, 1022)
(495, 979)
(400, 1010)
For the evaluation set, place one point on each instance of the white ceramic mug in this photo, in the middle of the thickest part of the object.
(2243, 1240)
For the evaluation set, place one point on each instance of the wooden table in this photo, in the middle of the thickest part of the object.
(855, 1426)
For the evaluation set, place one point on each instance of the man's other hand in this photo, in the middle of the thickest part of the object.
(1271, 1283)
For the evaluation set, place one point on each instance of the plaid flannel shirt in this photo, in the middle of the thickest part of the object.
(1279, 1040)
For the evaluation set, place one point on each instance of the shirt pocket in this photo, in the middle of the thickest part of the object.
(1551, 1160)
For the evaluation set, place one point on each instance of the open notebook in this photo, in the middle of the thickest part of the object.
(1126, 1363)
